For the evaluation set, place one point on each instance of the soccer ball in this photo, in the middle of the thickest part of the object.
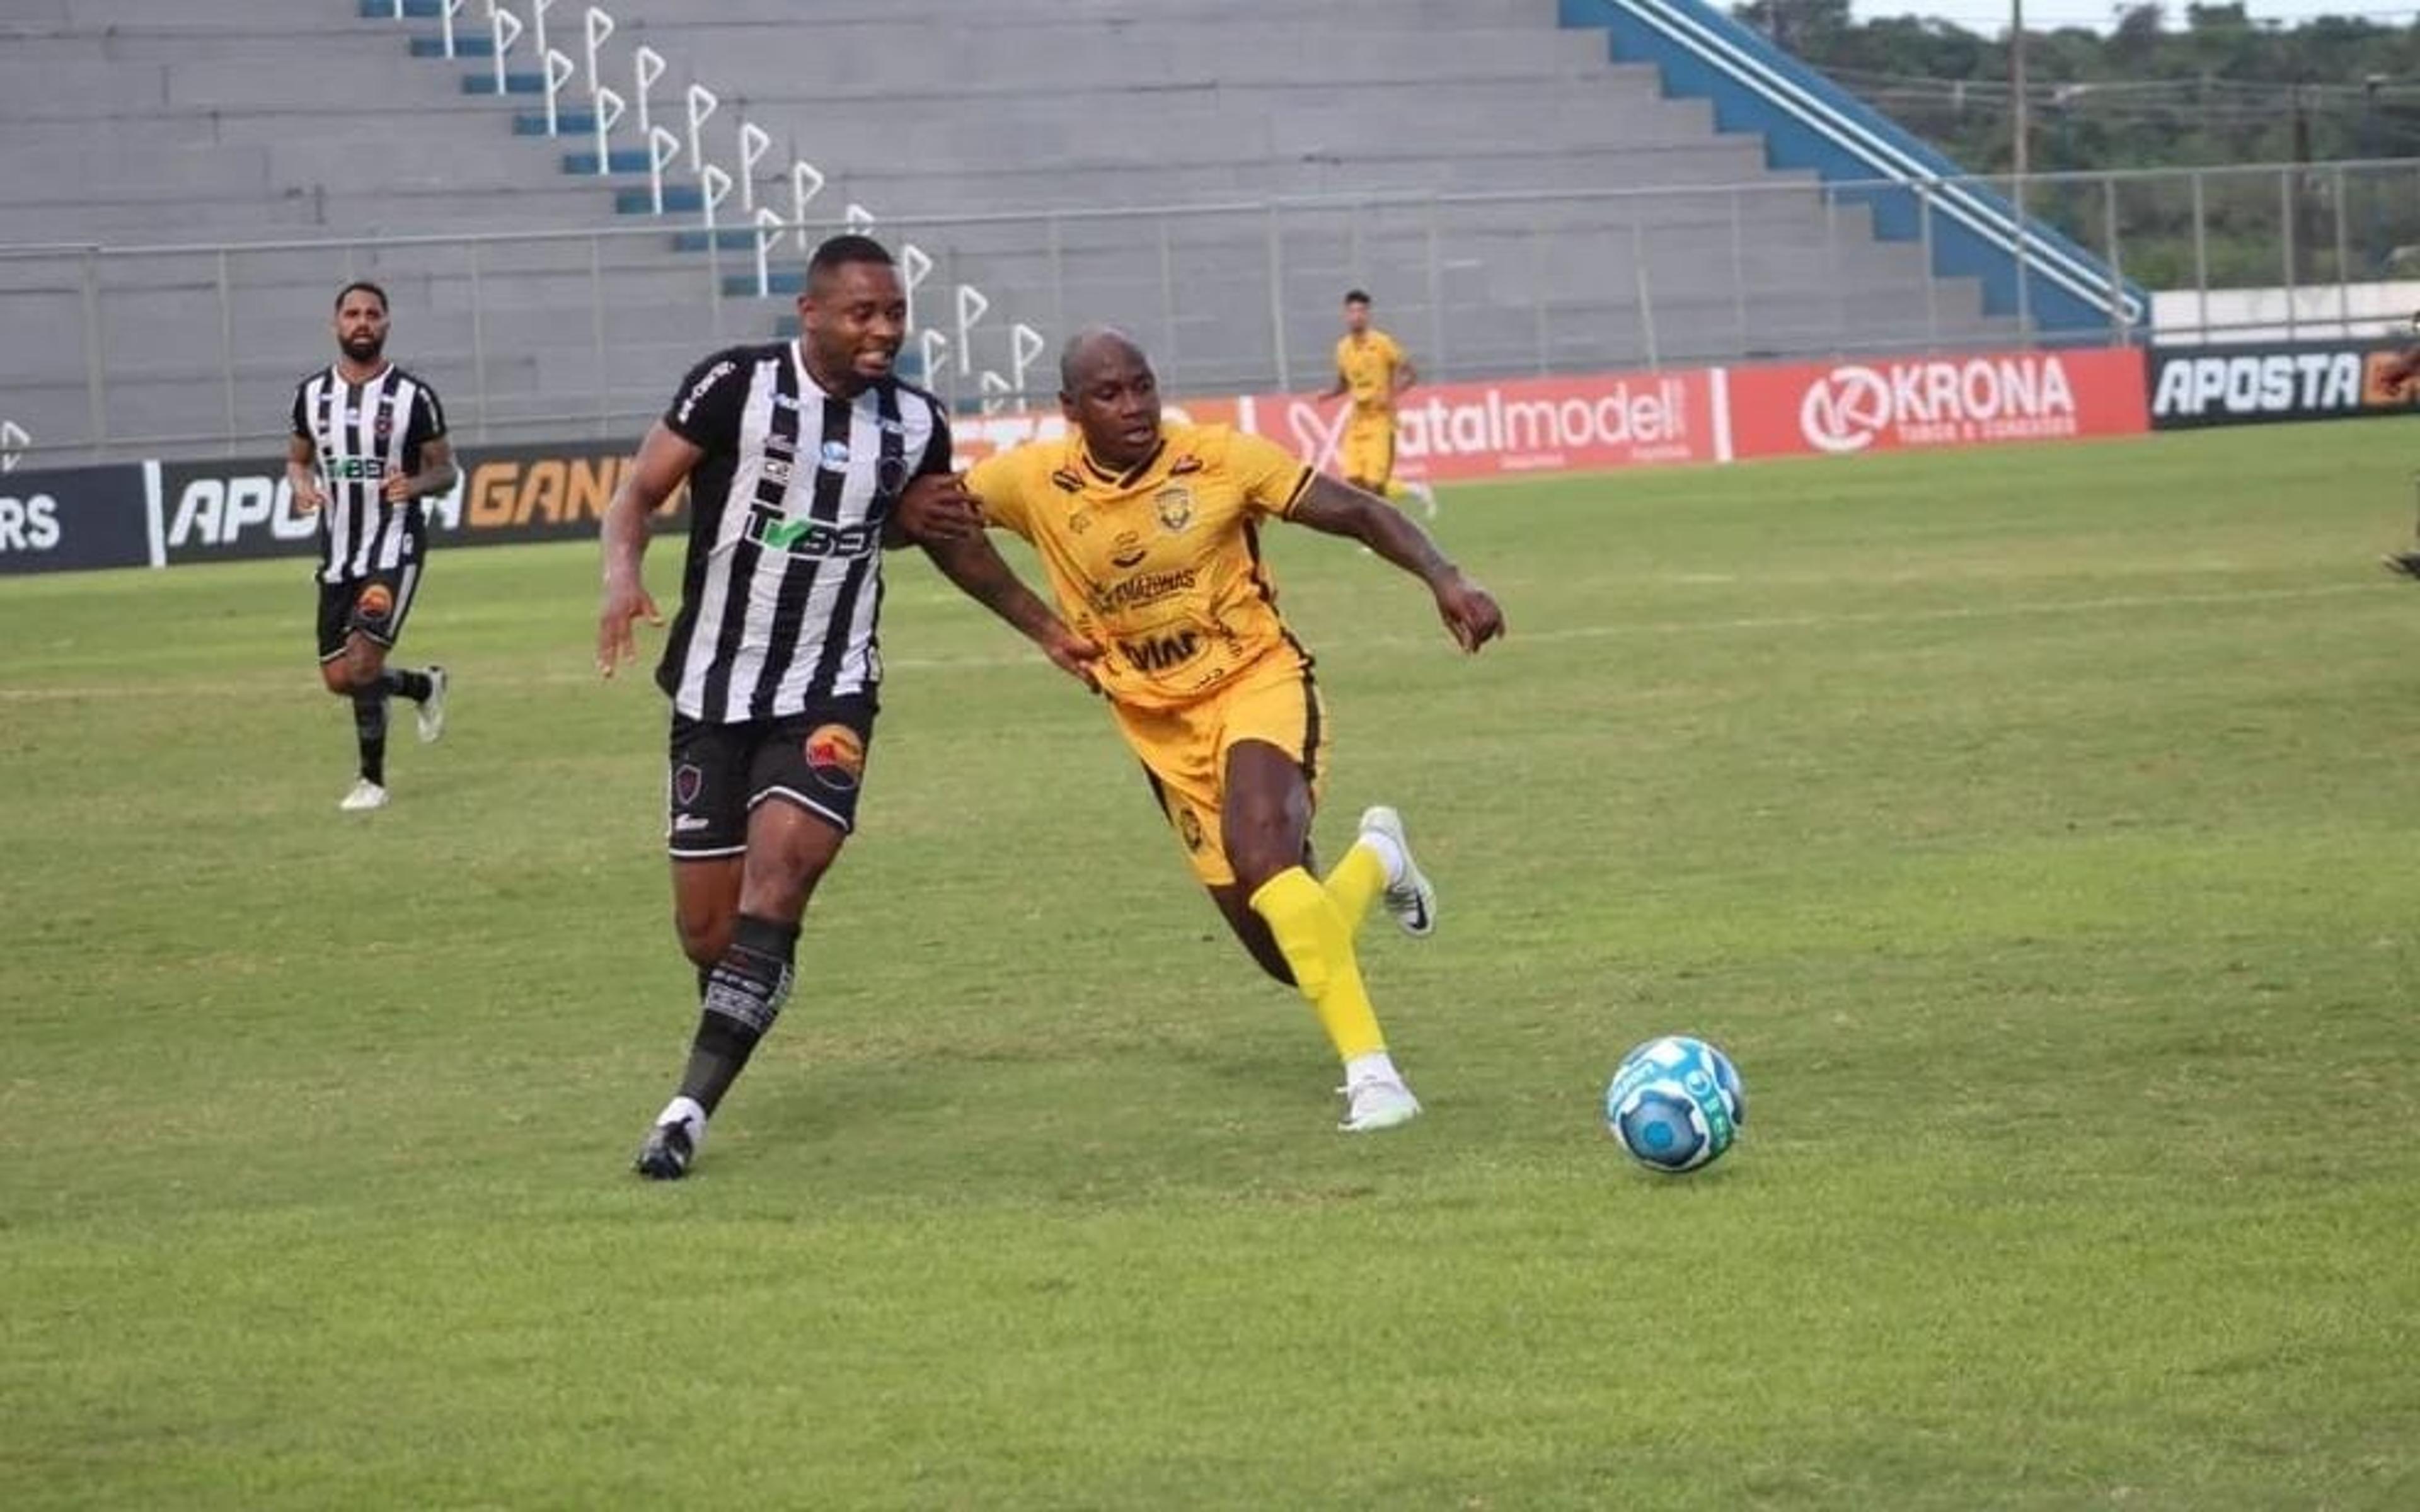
(1675, 1105)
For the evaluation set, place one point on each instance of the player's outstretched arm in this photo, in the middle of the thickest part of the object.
(973, 564)
(663, 462)
(1335, 507)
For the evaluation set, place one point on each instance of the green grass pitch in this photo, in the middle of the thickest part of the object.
(2036, 828)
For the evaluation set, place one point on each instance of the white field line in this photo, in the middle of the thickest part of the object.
(640, 672)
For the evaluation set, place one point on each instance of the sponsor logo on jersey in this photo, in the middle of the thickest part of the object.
(1141, 591)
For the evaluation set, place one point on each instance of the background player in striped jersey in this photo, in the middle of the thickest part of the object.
(1150, 534)
(1373, 368)
(368, 444)
(796, 454)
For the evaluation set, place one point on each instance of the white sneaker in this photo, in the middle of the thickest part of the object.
(1426, 495)
(366, 796)
(1380, 1103)
(431, 710)
(1412, 901)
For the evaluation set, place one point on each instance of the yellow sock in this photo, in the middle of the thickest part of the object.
(1396, 491)
(1318, 946)
(1354, 883)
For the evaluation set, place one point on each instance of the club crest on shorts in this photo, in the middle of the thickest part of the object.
(835, 756)
(1188, 825)
(689, 780)
(374, 603)
(1175, 508)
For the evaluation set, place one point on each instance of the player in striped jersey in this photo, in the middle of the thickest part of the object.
(796, 454)
(368, 444)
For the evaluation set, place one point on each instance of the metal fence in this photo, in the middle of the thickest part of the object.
(118, 350)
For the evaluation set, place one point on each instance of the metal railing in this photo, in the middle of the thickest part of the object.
(115, 350)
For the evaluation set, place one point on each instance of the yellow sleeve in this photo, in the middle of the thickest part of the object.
(998, 484)
(1272, 479)
(1394, 358)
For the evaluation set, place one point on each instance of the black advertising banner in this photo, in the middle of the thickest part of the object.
(72, 519)
(2247, 384)
(230, 510)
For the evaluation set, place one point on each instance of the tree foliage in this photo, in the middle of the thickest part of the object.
(2157, 91)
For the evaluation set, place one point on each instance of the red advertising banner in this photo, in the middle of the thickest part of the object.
(1480, 430)
(1889, 404)
(1620, 419)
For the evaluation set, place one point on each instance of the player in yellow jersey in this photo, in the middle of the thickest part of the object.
(1149, 536)
(1373, 367)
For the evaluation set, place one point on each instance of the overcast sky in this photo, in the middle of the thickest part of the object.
(1989, 16)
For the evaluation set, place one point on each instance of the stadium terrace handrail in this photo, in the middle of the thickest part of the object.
(504, 29)
(647, 66)
(973, 305)
(702, 102)
(1025, 344)
(754, 142)
(806, 182)
(915, 266)
(559, 69)
(596, 24)
(663, 147)
(538, 31)
(609, 108)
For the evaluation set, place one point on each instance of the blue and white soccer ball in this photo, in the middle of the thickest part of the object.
(1675, 1105)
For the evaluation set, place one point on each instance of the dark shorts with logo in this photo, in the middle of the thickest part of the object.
(377, 606)
(718, 773)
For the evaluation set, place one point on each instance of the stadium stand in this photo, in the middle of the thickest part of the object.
(1519, 201)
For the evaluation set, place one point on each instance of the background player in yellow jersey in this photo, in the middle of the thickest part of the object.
(1371, 366)
(1150, 535)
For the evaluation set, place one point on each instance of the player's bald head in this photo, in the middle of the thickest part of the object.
(1092, 348)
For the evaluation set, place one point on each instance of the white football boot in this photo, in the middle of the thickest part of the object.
(430, 712)
(1377, 1103)
(1411, 899)
(366, 796)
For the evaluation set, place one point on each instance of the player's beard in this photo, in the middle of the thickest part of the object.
(364, 348)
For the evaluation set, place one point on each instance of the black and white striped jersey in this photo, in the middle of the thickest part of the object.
(364, 434)
(782, 587)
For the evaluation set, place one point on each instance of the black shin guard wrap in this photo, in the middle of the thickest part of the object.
(369, 729)
(751, 981)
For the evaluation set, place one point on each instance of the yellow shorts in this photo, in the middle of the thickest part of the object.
(1367, 454)
(1185, 751)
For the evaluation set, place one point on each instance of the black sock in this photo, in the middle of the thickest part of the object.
(743, 994)
(412, 685)
(369, 727)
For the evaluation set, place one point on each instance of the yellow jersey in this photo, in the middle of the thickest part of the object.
(1158, 566)
(1367, 366)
